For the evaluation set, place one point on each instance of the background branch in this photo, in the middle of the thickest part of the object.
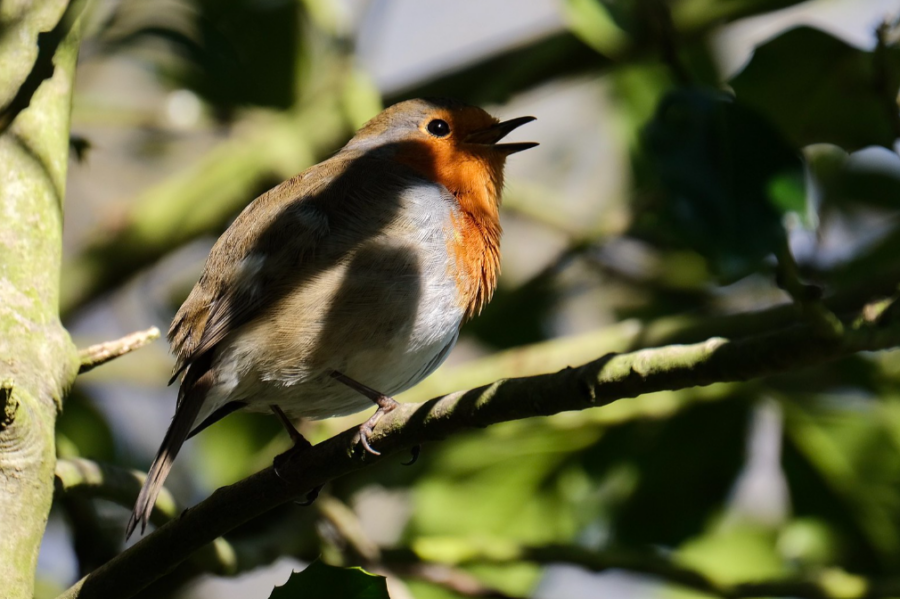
(77, 477)
(828, 584)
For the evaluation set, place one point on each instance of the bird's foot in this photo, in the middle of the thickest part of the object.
(385, 404)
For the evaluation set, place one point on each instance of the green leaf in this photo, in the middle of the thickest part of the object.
(729, 178)
(321, 581)
(842, 464)
(86, 427)
(693, 13)
(230, 449)
(818, 89)
(592, 22)
(504, 483)
(731, 554)
(685, 466)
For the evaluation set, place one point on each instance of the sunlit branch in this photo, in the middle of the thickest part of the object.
(101, 353)
(597, 383)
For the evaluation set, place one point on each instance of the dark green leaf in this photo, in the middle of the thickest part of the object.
(684, 468)
(728, 177)
(321, 581)
(86, 427)
(236, 53)
(842, 467)
(818, 89)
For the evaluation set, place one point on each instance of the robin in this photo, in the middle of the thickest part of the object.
(354, 276)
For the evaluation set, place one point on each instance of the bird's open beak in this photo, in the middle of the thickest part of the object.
(495, 133)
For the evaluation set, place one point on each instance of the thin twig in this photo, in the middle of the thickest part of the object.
(807, 298)
(827, 584)
(453, 579)
(99, 354)
(660, 20)
(345, 523)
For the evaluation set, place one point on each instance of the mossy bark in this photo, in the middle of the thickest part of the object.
(37, 359)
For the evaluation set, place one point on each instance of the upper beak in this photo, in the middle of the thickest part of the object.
(495, 133)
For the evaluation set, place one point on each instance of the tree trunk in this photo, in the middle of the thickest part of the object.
(37, 359)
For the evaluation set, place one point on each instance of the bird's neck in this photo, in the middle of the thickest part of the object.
(476, 182)
(476, 243)
(476, 248)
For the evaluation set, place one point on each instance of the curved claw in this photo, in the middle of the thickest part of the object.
(310, 497)
(415, 450)
(385, 404)
(364, 433)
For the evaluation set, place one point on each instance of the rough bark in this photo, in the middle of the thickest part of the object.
(37, 359)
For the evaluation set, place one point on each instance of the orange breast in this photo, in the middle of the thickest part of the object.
(475, 181)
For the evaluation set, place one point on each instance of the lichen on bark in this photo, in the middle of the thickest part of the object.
(37, 359)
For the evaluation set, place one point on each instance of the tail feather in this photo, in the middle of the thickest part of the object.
(178, 432)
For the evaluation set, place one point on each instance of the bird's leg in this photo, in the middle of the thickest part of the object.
(296, 437)
(385, 404)
(300, 445)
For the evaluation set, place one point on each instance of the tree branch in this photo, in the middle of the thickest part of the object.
(119, 485)
(806, 297)
(101, 353)
(597, 383)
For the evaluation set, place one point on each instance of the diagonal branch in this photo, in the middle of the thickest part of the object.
(597, 383)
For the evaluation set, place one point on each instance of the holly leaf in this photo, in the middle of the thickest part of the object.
(321, 581)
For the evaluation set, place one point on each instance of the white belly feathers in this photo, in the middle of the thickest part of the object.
(387, 315)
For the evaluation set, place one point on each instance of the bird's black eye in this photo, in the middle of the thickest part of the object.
(439, 128)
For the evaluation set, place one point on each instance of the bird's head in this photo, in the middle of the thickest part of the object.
(447, 141)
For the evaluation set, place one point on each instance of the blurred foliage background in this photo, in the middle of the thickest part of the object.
(697, 159)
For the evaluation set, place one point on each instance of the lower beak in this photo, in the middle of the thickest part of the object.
(495, 133)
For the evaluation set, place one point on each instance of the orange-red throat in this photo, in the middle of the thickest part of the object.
(458, 148)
